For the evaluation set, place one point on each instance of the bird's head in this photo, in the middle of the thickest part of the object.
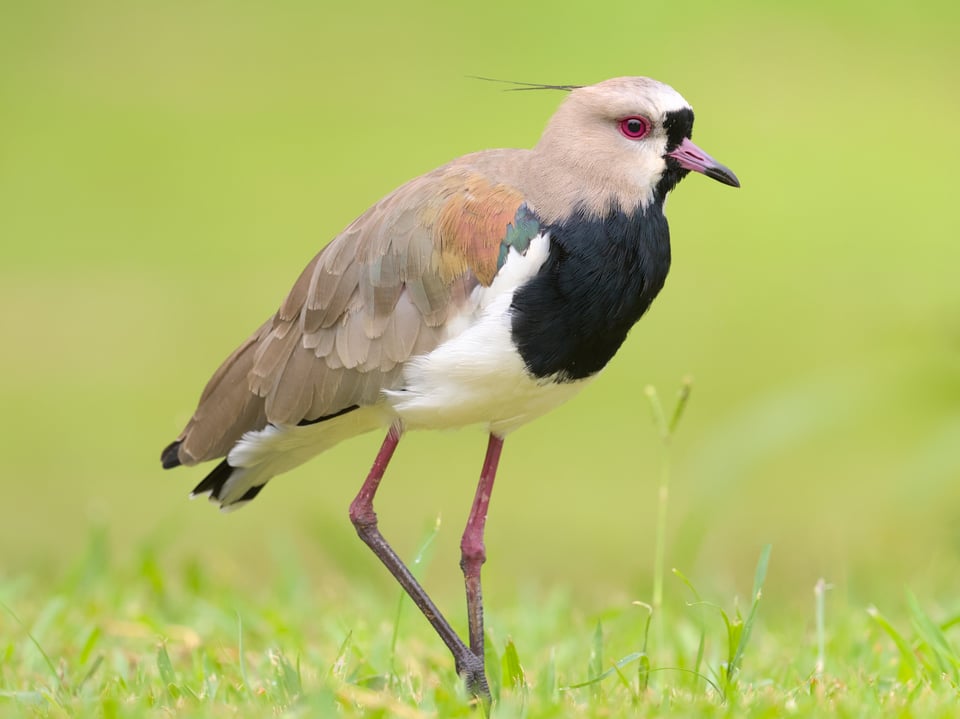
(622, 143)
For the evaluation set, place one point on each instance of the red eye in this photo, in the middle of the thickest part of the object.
(634, 127)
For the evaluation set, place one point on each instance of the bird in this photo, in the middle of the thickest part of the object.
(486, 292)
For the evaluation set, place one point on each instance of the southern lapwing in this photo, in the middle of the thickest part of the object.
(486, 292)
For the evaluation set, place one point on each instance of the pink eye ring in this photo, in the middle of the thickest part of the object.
(634, 127)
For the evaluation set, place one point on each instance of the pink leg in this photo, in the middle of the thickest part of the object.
(473, 553)
(364, 519)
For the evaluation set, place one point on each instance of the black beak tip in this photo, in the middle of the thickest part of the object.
(722, 174)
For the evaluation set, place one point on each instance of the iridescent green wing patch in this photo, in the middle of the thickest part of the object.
(524, 227)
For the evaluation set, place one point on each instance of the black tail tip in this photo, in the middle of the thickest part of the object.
(170, 456)
(214, 481)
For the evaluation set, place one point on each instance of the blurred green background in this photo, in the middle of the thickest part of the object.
(166, 169)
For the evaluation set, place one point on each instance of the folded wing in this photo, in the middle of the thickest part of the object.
(383, 291)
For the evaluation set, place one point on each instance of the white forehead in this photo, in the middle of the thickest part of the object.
(623, 96)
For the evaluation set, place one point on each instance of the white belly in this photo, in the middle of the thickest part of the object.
(476, 378)
(477, 375)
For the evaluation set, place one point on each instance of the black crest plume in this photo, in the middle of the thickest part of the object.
(525, 85)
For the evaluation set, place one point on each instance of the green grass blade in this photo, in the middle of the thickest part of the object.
(734, 631)
(659, 417)
(950, 623)
(634, 693)
(338, 667)
(598, 677)
(933, 638)
(683, 396)
(513, 677)
(287, 677)
(547, 681)
(643, 677)
(666, 429)
(909, 663)
(759, 578)
(697, 675)
(701, 624)
(58, 682)
(167, 675)
(596, 656)
(211, 678)
(493, 666)
(89, 674)
(93, 636)
(643, 673)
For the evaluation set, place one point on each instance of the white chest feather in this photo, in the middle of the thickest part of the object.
(477, 375)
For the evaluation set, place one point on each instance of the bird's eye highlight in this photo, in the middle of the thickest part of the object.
(634, 127)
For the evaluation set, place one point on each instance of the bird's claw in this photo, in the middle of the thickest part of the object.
(470, 668)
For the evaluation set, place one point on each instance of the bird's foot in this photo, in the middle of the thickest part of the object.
(470, 668)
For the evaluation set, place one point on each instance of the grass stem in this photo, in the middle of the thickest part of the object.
(666, 429)
(819, 592)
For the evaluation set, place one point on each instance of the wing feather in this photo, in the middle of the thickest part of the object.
(353, 345)
(271, 357)
(380, 293)
(401, 331)
(287, 398)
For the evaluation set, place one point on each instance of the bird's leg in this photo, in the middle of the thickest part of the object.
(473, 553)
(469, 665)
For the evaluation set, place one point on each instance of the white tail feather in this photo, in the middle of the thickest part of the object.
(259, 456)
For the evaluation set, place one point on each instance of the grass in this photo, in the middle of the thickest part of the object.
(113, 639)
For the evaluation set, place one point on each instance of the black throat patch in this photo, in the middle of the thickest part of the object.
(678, 125)
(600, 277)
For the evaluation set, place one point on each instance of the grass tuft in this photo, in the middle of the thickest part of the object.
(131, 653)
(738, 629)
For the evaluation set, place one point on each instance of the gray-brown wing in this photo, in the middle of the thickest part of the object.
(377, 295)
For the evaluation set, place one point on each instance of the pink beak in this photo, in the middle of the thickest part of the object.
(693, 158)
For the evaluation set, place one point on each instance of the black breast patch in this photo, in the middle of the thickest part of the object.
(600, 277)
